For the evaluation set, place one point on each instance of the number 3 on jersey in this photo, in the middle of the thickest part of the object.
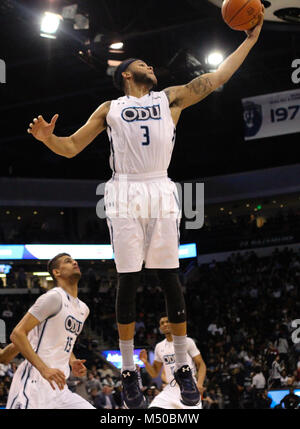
(146, 135)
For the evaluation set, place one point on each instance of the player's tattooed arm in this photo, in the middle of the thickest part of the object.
(184, 96)
(200, 86)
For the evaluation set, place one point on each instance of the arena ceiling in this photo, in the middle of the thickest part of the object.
(70, 76)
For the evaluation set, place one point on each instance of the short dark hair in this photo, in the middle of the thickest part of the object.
(54, 263)
(164, 314)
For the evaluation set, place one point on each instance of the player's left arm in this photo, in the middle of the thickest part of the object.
(199, 88)
(8, 354)
(201, 368)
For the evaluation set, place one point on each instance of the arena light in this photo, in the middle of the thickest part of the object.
(49, 25)
(49, 279)
(41, 274)
(113, 63)
(214, 59)
(117, 45)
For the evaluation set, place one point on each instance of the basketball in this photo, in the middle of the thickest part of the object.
(241, 14)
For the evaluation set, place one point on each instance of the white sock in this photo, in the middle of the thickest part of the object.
(180, 348)
(126, 348)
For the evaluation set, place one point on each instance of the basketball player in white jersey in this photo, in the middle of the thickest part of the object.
(45, 337)
(141, 201)
(164, 357)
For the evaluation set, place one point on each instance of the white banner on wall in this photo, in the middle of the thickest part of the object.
(272, 114)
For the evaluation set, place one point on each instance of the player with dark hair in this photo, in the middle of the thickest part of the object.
(45, 337)
(165, 360)
(142, 209)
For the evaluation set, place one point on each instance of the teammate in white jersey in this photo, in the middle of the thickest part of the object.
(164, 358)
(141, 202)
(45, 337)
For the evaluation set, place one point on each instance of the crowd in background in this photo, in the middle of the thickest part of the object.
(242, 314)
(221, 230)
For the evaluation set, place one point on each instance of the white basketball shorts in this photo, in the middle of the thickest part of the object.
(29, 390)
(169, 398)
(143, 216)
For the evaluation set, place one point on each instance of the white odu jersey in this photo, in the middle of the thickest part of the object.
(164, 352)
(53, 339)
(141, 133)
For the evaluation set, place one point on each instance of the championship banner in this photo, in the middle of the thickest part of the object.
(272, 114)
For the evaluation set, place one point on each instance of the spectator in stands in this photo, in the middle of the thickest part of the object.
(104, 371)
(150, 393)
(92, 383)
(21, 279)
(276, 371)
(104, 399)
(95, 397)
(282, 346)
(290, 401)
(258, 380)
(210, 399)
(271, 354)
(263, 401)
(284, 379)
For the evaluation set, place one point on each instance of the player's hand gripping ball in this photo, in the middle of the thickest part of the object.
(241, 14)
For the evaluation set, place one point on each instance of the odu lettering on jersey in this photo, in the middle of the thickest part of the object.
(73, 325)
(169, 359)
(141, 134)
(131, 114)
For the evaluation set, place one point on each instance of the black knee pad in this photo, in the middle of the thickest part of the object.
(175, 303)
(125, 298)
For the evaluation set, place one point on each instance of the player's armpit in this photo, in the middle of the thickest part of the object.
(90, 130)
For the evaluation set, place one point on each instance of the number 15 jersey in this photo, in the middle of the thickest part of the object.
(141, 133)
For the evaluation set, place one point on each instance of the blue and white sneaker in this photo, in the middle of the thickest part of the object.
(190, 394)
(132, 395)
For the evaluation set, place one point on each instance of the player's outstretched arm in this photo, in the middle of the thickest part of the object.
(186, 95)
(20, 340)
(8, 354)
(74, 144)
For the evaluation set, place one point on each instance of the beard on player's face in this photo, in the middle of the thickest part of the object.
(141, 78)
(70, 274)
